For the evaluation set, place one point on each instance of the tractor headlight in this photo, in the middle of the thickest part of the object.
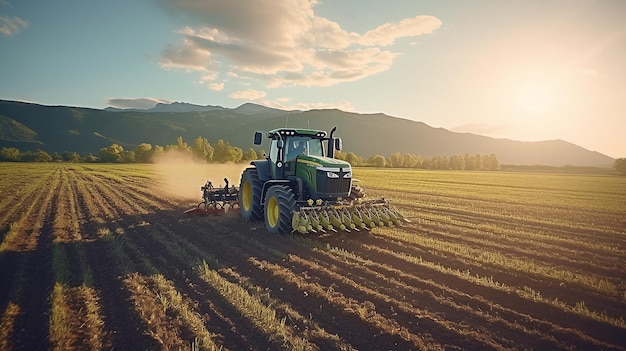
(348, 175)
(332, 175)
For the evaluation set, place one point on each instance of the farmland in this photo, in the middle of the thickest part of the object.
(96, 256)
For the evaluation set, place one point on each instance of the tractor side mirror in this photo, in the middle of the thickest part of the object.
(280, 144)
(258, 136)
(338, 144)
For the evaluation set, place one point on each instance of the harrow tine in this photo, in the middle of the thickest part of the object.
(325, 221)
(375, 218)
(315, 221)
(367, 218)
(304, 221)
(347, 221)
(357, 219)
(334, 220)
(298, 223)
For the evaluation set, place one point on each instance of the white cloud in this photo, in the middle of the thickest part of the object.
(12, 25)
(211, 76)
(387, 33)
(283, 42)
(137, 103)
(249, 94)
(216, 86)
(187, 56)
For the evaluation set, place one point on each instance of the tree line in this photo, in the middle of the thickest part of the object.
(201, 149)
(408, 160)
(223, 152)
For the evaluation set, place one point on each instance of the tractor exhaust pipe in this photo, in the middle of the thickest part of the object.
(331, 143)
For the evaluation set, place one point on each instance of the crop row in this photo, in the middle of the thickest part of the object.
(110, 262)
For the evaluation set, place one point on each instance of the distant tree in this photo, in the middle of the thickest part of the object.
(457, 162)
(90, 158)
(377, 161)
(157, 150)
(224, 152)
(236, 154)
(181, 144)
(470, 162)
(250, 155)
(439, 162)
(127, 157)
(56, 157)
(10, 154)
(410, 160)
(202, 149)
(36, 156)
(620, 165)
(353, 159)
(396, 159)
(68, 157)
(143, 153)
(490, 163)
(111, 153)
(340, 155)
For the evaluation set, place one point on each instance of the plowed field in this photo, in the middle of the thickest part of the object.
(101, 257)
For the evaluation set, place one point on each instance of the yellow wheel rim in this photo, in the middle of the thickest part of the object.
(272, 212)
(247, 196)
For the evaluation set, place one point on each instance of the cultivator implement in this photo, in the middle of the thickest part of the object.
(344, 216)
(216, 201)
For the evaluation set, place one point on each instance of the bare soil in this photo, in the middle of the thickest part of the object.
(339, 292)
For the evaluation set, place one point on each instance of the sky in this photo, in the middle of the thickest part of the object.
(519, 69)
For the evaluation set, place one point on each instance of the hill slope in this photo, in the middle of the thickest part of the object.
(62, 128)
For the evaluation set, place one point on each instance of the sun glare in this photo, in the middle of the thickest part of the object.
(535, 98)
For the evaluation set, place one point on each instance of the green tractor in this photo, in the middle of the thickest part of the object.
(301, 187)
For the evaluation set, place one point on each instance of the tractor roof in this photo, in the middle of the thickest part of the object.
(297, 132)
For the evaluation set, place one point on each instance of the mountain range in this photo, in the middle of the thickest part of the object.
(29, 126)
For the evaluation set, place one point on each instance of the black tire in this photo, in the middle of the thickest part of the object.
(250, 189)
(279, 204)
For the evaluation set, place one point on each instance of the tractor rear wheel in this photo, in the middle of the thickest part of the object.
(279, 204)
(250, 195)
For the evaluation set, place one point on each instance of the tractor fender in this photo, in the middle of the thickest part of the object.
(263, 169)
(270, 183)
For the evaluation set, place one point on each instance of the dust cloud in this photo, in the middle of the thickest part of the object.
(181, 175)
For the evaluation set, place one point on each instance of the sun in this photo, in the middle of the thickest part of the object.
(535, 98)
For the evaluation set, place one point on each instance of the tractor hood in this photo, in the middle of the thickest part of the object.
(325, 163)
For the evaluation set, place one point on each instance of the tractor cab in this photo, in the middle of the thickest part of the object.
(289, 147)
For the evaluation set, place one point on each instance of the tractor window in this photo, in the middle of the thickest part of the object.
(301, 145)
(274, 151)
(315, 147)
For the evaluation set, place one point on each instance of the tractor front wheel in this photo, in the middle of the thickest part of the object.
(250, 195)
(279, 205)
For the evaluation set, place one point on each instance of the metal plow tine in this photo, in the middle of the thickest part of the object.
(357, 219)
(336, 221)
(299, 223)
(325, 221)
(346, 219)
(367, 218)
(306, 222)
(383, 216)
(295, 221)
(315, 221)
(375, 217)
